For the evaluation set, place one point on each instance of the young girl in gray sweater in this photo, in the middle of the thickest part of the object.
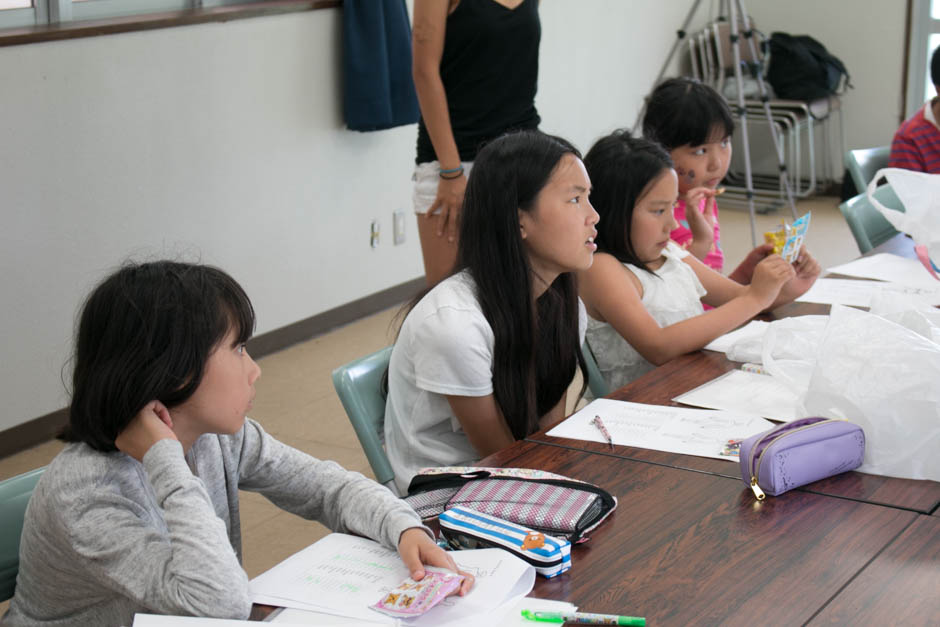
(139, 513)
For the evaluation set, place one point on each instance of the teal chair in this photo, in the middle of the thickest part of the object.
(359, 386)
(14, 495)
(595, 379)
(868, 226)
(864, 162)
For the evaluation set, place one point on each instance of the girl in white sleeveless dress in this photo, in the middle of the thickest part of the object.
(644, 294)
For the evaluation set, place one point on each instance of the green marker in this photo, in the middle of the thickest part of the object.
(583, 618)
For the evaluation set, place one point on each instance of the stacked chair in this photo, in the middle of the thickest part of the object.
(804, 129)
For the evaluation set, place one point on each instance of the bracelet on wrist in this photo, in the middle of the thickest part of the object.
(459, 168)
(453, 175)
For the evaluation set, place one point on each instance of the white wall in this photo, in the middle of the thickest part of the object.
(221, 142)
(225, 143)
(868, 36)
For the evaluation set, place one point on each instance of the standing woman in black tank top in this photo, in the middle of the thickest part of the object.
(476, 74)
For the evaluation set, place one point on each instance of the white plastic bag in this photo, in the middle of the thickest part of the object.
(908, 310)
(885, 378)
(791, 338)
(786, 349)
(788, 352)
(919, 192)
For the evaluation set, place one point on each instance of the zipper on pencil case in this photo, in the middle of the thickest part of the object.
(435, 482)
(763, 444)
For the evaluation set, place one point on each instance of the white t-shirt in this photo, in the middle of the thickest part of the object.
(445, 347)
(671, 296)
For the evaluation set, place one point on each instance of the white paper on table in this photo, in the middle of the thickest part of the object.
(888, 267)
(294, 616)
(747, 393)
(159, 620)
(343, 575)
(859, 292)
(508, 615)
(699, 432)
(721, 344)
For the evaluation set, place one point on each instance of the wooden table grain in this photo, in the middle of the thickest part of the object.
(691, 548)
(900, 587)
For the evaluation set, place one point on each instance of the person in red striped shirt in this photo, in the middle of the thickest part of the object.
(916, 144)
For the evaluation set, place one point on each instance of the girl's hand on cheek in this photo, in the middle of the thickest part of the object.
(417, 550)
(151, 424)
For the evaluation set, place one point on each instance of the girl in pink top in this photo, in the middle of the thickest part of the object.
(693, 122)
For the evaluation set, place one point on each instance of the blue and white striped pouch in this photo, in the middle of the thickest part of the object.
(465, 528)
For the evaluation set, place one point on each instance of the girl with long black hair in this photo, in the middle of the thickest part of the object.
(486, 356)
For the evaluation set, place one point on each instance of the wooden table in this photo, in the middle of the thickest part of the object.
(695, 548)
(687, 372)
(684, 373)
(900, 587)
(689, 544)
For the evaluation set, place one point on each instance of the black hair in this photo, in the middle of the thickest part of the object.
(536, 347)
(145, 333)
(622, 169)
(685, 111)
(935, 66)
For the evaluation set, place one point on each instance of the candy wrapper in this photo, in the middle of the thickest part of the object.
(788, 240)
(413, 598)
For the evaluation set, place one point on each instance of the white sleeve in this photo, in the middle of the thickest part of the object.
(453, 353)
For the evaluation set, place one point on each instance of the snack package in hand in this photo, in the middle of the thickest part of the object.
(413, 598)
(788, 240)
(777, 238)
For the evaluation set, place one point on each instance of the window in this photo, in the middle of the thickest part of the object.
(30, 21)
(17, 13)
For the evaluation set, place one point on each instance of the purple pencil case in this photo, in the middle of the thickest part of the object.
(800, 452)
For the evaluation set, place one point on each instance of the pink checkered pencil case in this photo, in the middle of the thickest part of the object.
(544, 502)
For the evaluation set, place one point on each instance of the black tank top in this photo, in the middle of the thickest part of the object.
(489, 67)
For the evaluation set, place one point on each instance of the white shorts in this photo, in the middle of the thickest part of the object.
(426, 177)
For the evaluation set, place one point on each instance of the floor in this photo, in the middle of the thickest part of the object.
(296, 403)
